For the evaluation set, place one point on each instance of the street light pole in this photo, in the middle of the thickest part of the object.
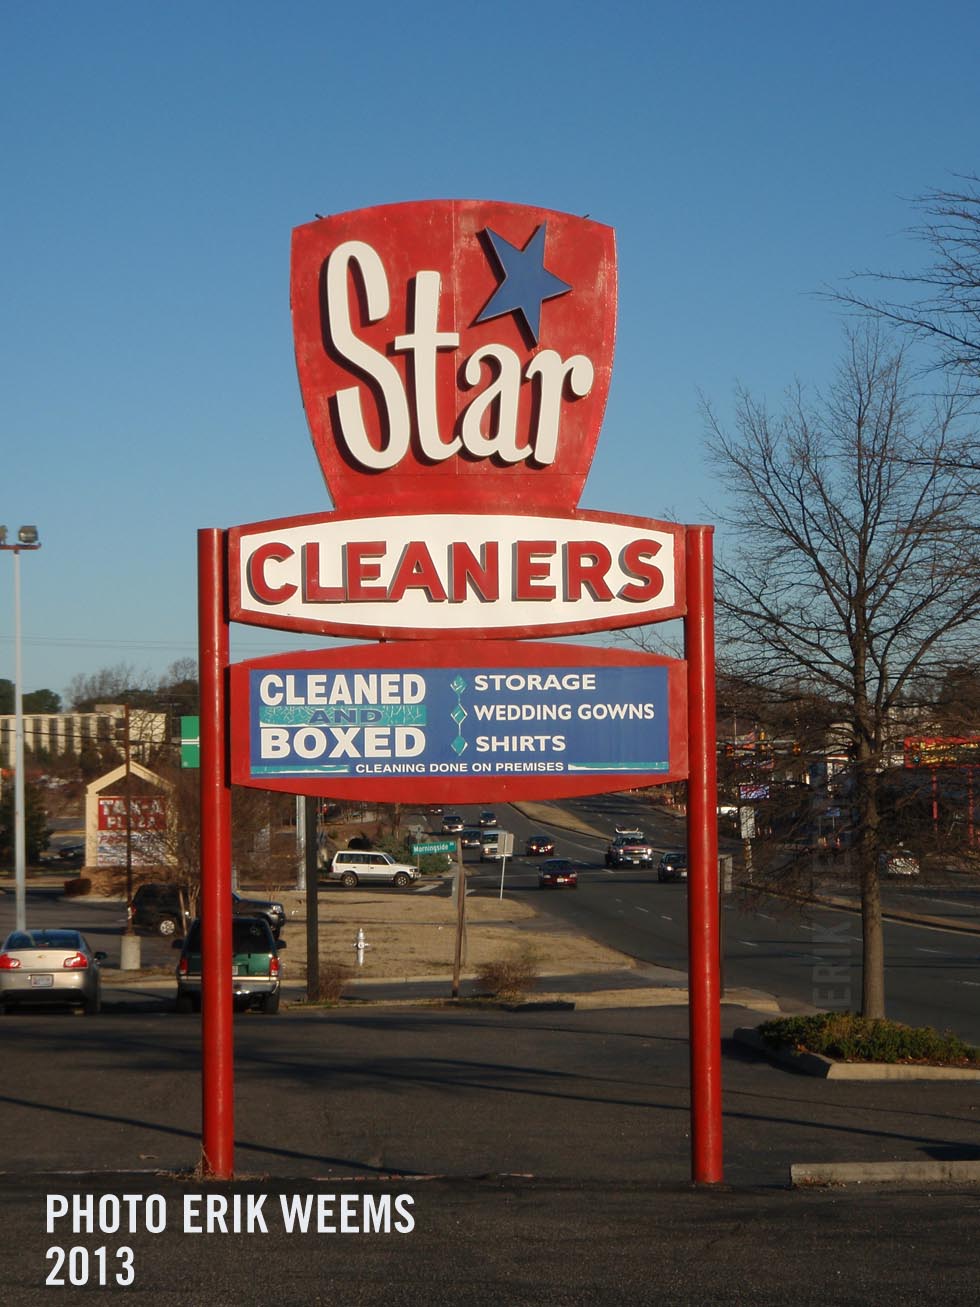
(26, 539)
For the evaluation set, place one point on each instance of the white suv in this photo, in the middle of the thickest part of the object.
(351, 866)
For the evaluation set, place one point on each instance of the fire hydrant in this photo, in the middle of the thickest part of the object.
(360, 944)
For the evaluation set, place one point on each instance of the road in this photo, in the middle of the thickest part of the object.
(547, 1154)
(805, 955)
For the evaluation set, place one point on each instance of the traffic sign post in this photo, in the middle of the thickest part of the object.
(505, 849)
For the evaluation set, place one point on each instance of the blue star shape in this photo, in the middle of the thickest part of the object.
(527, 282)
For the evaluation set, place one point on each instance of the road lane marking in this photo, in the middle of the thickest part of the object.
(748, 943)
(941, 952)
(765, 916)
(639, 909)
(664, 917)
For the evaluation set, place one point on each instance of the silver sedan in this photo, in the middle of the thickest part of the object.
(50, 966)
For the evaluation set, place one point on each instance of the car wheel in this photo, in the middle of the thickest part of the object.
(402, 879)
(184, 1003)
(167, 926)
(93, 1005)
(270, 1004)
(196, 1002)
(348, 880)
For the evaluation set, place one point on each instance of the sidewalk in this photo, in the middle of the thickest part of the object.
(623, 987)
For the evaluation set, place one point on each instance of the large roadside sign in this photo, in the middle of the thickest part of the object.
(455, 358)
(458, 722)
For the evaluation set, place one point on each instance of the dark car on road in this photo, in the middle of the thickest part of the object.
(557, 873)
(537, 845)
(672, 866)
(156, 907)
(255, 970)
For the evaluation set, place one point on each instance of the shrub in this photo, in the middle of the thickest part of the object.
(76, 886)
(860, 1039)
(509, 979)
(334, 977)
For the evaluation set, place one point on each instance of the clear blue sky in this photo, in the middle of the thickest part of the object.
(156, 157)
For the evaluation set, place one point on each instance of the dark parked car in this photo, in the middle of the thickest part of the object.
(538, 844)
(255, 966)
(49, 966)
(156, 907)
(673, 866)
(557, 873)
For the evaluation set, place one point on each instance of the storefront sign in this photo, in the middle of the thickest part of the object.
(418, 575)
(460, 719)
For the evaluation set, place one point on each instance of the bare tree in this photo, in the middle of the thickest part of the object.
(941, 303)
(853, 566)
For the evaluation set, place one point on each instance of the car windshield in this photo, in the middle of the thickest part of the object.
(44, 939)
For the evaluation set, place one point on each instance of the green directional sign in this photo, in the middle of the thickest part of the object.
(433, 846)
(190, 741)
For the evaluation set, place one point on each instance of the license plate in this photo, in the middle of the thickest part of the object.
(42, 981)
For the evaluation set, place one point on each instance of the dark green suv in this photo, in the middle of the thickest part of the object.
(255, 968)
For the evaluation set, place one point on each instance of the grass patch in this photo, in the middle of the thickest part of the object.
(851, 1038)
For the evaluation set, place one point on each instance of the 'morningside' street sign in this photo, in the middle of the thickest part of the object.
(459, 721)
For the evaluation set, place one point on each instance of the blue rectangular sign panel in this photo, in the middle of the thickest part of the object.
(439, 721)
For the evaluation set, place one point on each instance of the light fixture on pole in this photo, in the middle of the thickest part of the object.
(26, 539)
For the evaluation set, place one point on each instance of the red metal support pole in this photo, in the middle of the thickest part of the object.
(217, 1042)
(704, 980)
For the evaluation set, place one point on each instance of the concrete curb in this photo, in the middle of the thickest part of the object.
(817, 1173)
(815, 1064)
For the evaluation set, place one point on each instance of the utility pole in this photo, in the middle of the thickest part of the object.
(129, 951)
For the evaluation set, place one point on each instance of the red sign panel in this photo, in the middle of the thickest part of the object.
(464, 346)
(420, 575)
(458, 721)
